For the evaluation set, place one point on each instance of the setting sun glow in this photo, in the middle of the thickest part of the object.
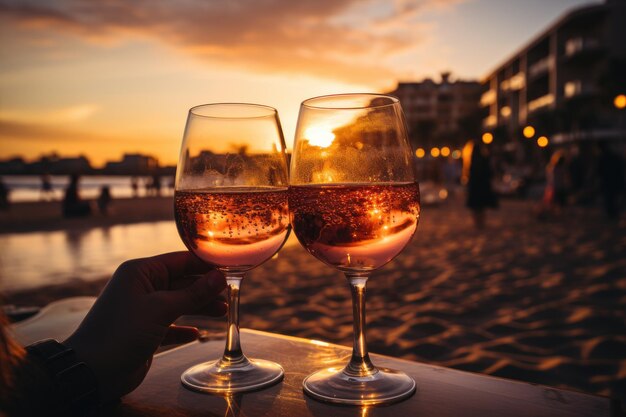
(81, 80)
(319, 136)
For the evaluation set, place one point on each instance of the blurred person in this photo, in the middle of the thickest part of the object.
(557, 183)
(111, 352)
(134, 185)
(156, 185)
(147, 185)
(104, 199)
(73, 205)
(4, 195)
(47, 192)
(451, 174)
(480, 194)
(611, 171)
(576, 174)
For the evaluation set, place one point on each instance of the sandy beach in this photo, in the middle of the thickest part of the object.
(539, 301)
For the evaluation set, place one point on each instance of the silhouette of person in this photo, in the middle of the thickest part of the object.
(4, 195)
(111, 351)
(73, 206)
(480, 194)
(611, 171)
(557, 183)
(46, 188)
(134, 185)
(104, 199)
(577, 174)
(156, 185)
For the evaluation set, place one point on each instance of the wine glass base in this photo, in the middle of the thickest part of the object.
(334, 386)
(213, 377)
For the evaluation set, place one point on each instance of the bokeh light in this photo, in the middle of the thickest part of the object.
(434, 152)
(445, 151)
(529, 132)
(487, 138)
(620, 101)
(542, 141)
(420, 152)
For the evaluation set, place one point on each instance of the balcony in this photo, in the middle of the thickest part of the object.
(540, 67)
(490, 121)
(515, 83)
(488, 98)
(578, 88)
(518, 81)
(579, 45)
(541, 102)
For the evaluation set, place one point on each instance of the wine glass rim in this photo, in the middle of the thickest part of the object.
(195, 110)
(307, 103)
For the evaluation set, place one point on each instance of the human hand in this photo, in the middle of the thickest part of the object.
(134, 313)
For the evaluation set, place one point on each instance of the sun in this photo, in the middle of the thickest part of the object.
(318, 136)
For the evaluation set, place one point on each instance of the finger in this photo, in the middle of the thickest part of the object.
(180, 334)
(161, 270)
(216, 309)
(184, 282)
(167, 306)
(180, 264)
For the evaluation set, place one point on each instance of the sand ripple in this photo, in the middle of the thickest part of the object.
(537, 301)
(540, 302)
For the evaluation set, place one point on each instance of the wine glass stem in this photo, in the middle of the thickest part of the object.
(232, 352)
(360, 364)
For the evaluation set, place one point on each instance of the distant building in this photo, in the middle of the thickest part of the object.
(13, 166)
(563, 82)
(133, 164)
(437, 113)
(54, 164)
(79, 165)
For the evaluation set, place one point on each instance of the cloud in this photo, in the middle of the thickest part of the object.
(326, 38)
(16, 130)
(60, 115)
(31, 140)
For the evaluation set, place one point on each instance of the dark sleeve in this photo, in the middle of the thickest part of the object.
(51, 381)
(33, 392)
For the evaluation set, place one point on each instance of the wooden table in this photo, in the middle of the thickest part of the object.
(441, 391)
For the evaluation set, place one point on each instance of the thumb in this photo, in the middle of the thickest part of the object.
(179, 334)
(170, 305)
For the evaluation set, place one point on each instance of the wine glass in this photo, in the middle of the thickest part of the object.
(231, 211)
(354, 204)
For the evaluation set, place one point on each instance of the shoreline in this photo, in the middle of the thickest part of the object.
(46, 216)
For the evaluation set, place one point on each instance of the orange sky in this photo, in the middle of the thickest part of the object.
(103, 78)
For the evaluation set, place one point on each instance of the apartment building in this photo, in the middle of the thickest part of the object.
(436, 111)
(564, 81)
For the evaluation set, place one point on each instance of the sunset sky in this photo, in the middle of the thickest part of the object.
(102, 78)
